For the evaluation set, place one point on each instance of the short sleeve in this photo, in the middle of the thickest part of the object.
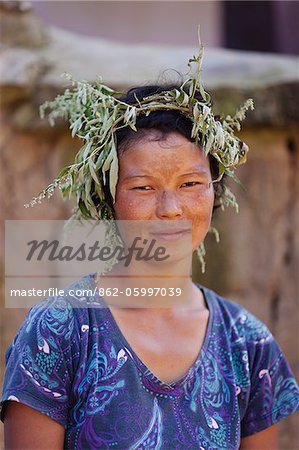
(39, 362)
(274, 393)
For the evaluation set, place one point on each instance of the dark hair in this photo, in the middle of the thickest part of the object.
(163, 121)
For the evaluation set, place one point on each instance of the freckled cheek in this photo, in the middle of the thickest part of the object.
(201, 218)
(128, 208)
(200, 206)
(200, 212)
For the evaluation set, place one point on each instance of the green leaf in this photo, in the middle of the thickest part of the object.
(76, 126)
(87, 149)
(107, 161)
(113, 175)
(93, 172)
(202, 92)
(63, 172)
(83, 209)
(106, 90)
(209, 143)
(231, 174)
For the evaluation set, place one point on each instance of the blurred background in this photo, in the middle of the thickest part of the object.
(251, 50)
(267, 26)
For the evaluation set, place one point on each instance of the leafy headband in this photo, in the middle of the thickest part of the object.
(95, 112)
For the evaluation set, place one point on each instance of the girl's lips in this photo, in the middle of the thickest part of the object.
(170, 235)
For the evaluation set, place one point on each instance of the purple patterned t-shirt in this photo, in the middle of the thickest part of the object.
(72, 363)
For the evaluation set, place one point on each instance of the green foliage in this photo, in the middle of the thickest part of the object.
(95, 112)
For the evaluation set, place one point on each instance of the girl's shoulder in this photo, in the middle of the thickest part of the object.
(63, 318)
(53, 342)
(79, 295)
(236, 319)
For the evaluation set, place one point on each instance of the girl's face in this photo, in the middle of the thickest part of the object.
(169, 179)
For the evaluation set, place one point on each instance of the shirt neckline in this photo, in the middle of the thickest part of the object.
(140, 364)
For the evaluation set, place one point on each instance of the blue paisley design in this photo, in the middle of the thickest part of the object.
(71, 362)
(285, 395)
(152, 437)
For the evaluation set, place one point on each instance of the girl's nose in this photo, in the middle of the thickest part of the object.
(169, 206)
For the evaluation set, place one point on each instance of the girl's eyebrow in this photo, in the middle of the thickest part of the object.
(130, 177)
(197, 172)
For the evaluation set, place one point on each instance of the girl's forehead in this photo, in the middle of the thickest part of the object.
(174, 153)
(154, 142)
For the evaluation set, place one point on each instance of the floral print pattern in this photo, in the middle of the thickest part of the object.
(72, 363)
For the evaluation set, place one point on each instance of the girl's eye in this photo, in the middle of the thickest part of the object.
(143, 188)
(190, 183)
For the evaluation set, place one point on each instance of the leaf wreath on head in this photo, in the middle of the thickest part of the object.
(95, 112)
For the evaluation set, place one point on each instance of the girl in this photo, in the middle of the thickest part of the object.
(205, 375)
